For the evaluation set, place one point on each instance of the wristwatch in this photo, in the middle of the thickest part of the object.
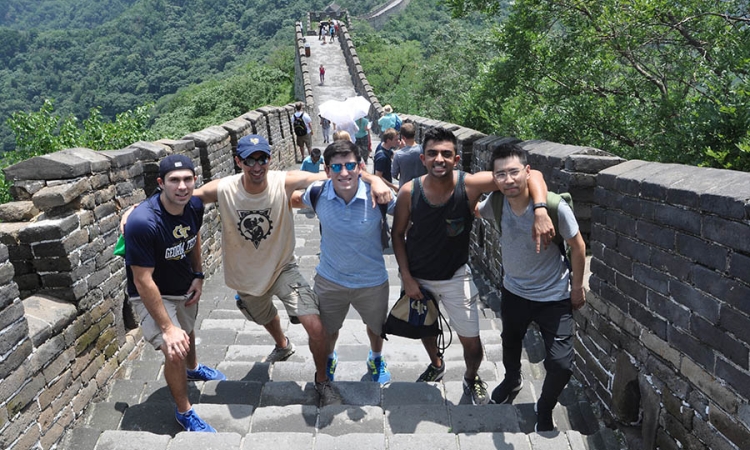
(199, 275)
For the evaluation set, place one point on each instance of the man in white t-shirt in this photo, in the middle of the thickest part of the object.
(303, 133)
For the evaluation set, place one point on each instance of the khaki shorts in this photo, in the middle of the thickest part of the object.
(334, 300)
(293, 291)
(305, 140)
(180, 315)
(458, 299)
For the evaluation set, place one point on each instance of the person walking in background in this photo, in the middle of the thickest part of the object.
(302, 129)
(325, 125)
(322, 71)
(388, 120)
(536, 282)
(407, 162)
(165, 279)
(384, 155)
(362, 138)
(331, 31)
(312, 162)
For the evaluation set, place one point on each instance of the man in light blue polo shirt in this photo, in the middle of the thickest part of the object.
(352, 269)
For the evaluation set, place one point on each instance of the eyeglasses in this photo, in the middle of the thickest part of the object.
(336, 167)
(250, 162)
(500, 176)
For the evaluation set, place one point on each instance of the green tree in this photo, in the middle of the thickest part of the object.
(658, 80)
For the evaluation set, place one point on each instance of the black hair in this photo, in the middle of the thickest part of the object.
(439, 134)
(509, 150)
(341, 148)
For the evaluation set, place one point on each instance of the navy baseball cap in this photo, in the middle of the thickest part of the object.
(252, 143)
(175, 162)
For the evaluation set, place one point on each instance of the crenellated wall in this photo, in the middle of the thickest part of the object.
(64, 323)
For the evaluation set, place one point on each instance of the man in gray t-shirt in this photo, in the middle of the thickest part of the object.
(407, 163)
(536, 283)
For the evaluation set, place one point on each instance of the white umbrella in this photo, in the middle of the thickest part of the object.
(335, 111)
(359, 106)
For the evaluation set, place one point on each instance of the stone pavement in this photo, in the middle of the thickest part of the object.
(276, 404)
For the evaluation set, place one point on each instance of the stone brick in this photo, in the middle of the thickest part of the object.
(54, 389)
(57, 280)
(618, 262)
(603, 235)
(675, 265)
(677, 407)
(626, 395)
(679, 218)
(603, 271)
(10, 315)
(620, 222)
(661, 348)
(735, 322)
(706, 253)
(92, 249)
(728, 290)
(82, 400)
(692, 347)
(733, 234)
(29, 439)
(60, 195)
(26, 395)
(656, 324)
(13, 334)
(652, 279)
(738, 379)
(633, 249)
(655, 234)
(8, 294)
(631, 288)
(729, 427)
(675, 313)
(48, 229)
(714, 389)
(695, 301)
(739, 266)
(728, 346)
(15, 358)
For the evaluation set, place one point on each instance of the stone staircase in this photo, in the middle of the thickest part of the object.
(263, 405)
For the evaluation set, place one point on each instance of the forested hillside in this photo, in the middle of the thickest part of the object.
(118, 55)
(654, 80)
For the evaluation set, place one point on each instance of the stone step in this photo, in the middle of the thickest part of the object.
(84, 438)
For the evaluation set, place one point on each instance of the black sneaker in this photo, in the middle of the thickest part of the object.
(503, 392)
(476, 389)
(433, 373)
(327, 394)
(543, 419)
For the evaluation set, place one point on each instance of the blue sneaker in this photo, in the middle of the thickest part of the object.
(331, 366)
(191, 422)
(378, 369)
(205, 373)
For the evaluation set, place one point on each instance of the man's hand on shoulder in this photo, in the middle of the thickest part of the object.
(542, 231)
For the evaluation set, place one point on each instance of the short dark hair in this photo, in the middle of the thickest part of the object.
(509, 150)
(315, 152)
(439, 134)
(341, 148)
(299, 106)
(390, 133)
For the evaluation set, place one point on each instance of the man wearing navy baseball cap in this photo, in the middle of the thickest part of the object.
(258, 243)
(165, 279)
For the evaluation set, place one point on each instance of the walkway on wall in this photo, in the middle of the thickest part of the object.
(275, 405)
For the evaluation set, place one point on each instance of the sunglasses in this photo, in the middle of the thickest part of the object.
(337, 166)
(250, 162)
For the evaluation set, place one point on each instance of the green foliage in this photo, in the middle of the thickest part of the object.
(214, 102)
(118, 54)
(655, 80)
(43, 132)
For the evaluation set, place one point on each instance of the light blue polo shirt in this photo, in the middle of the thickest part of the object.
(350, 249)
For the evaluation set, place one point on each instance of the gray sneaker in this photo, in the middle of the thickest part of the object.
(433, 373)
(281, 353)
(328, 394)
(476, 389)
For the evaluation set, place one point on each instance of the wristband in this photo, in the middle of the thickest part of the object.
(539, 205)
(199, 275)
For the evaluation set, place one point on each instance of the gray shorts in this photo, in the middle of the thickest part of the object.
(293, 291)
(180, 315)
(458, 298)
(371, 303)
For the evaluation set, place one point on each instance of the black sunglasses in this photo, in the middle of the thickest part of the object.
(250, 162)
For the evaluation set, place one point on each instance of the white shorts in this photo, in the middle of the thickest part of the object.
(457, 297)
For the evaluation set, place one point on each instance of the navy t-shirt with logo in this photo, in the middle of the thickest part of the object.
(158, 239)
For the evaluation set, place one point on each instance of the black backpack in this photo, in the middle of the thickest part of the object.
(299, 126)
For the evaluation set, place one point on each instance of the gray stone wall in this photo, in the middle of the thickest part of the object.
(63, 317)
(359, 80)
